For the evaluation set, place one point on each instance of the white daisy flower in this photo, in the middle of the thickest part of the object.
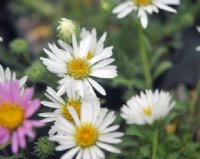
(60, 105)
(7, 75)
(147, 107)
(143, 7)
(77, 64)
(198, 47)
(88, 135)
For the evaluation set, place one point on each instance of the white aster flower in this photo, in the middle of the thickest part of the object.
(198, 47)
(7, 75)
(147, 107)
(60, 105)
(143, 7)
(86, 138)
(79, 64)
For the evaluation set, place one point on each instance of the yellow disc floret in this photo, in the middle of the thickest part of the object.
(76, 105)
(78, 68)
(11, 115)
(148, 111)
(86, 135)
(142, 2)
(89, 55)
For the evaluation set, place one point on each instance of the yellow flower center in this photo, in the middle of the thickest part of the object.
(89, 55)
(142, 2)
(11, 115)
(78, 68)
(76, 105)
(147, 111)
(86, 135)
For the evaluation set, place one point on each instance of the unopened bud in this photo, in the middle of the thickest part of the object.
(67, 28)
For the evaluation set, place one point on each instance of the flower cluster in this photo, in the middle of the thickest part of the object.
(80, 125)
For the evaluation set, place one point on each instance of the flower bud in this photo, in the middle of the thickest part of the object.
(43, 148)
(67, 28)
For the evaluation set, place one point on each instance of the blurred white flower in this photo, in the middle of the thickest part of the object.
(147, 107)
(143, 7)
(89, 134)
(198, 47)
(79, 63)
(1, 39)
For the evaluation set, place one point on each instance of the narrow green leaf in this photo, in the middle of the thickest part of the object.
(164, 66)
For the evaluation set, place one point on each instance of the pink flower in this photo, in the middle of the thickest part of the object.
(16, 107)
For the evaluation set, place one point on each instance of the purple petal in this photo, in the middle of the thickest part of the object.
(21, 137)
(32, 108)
(37, 123)
(29, 132)
(28, 94)
(4, 91)
(4, 135)
(15, 91)
(14, 143)
(27, 124)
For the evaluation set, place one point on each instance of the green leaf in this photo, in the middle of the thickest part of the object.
(134, 131)
(161, 69)
(156, 56)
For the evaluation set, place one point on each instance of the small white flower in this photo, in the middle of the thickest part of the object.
(88, 135)
(147, 107)
(7, 75)
(143, 7)
(198, 47)
(60, 105)
(80, 63)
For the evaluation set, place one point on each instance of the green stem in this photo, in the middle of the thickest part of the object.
(154, 144)
(144, 59)
(194, 100)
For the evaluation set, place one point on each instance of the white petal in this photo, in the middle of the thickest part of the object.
(144, 20)
(124, 13)
(165, 7)
(121, 7)
(50, 104)
(98, 87)
(108, 147)
(2, 78)
(74, 115)
(71, 153)
(7, 74)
